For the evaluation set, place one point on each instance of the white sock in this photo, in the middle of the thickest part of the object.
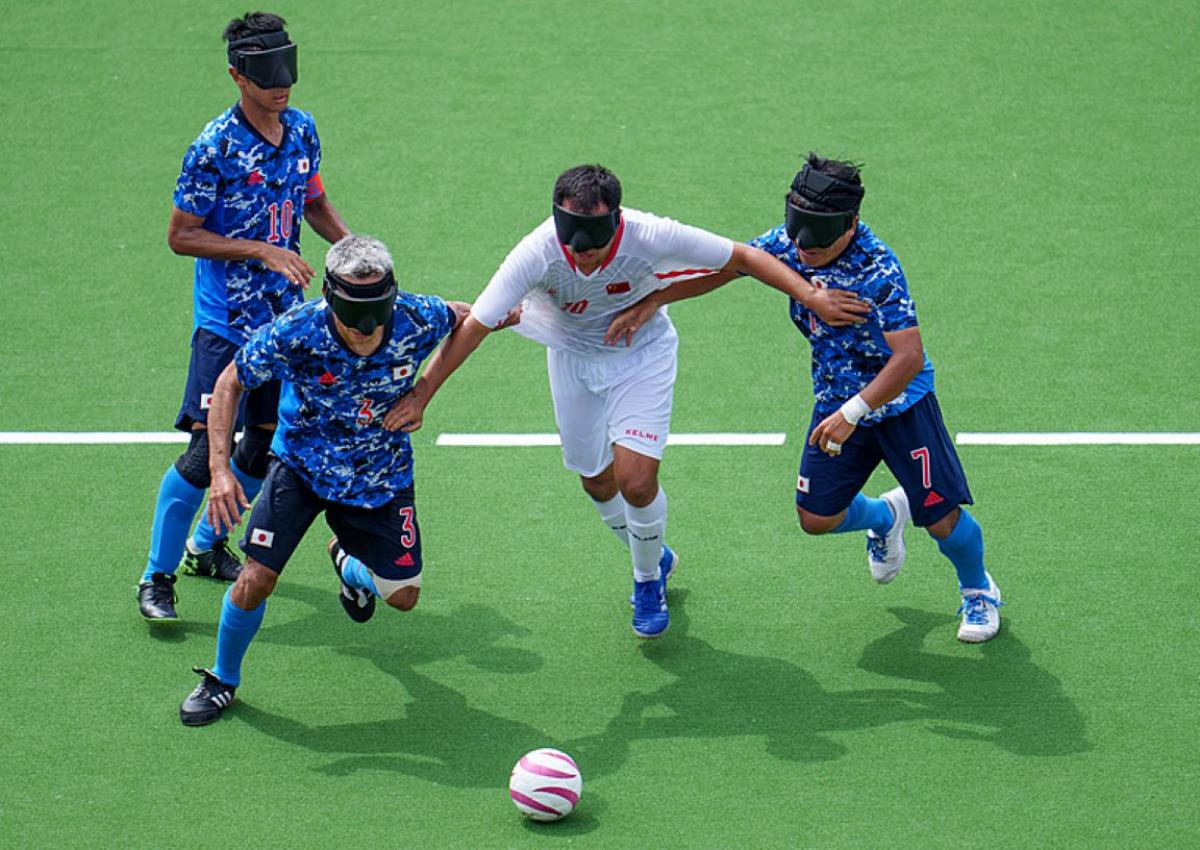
(647, 526)
(613, 514)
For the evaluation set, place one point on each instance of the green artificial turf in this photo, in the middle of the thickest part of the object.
(1032, 165)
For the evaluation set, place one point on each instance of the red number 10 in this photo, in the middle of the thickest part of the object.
(281, 221)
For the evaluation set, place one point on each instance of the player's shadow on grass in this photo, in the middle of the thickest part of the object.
(435, 734)
(718, 694)
(997, 694)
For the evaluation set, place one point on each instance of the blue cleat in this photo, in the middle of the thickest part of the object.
(650, 617)
(666, 567)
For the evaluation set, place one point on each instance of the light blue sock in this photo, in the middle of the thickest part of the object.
(866, 513)
(205, 535)
(356, 574)
(237, 629)
(964, 548)
(177, 504)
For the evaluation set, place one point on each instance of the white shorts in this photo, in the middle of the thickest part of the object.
(599, 401)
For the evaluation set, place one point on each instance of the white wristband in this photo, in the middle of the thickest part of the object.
(855, 409)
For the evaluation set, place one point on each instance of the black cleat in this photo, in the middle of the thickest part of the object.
(359, 604)
(157, 599)
(218, 562)
(205, 704)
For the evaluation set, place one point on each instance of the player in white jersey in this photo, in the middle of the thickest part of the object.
(571, 276)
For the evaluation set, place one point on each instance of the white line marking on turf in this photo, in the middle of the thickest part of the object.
(1075, 438)
(88, 438)
(506, 440)
(1081, 438)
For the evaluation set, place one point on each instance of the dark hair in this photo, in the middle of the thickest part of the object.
(252, 23)
(841, 169)
(588, 187)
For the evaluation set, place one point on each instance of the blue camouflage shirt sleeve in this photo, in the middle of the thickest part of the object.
(774, 242)
(263, 357)
(887, 291)
(199, 179)
(440, 315)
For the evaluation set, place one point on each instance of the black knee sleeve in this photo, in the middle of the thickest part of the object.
(252, 452)
(192, 465)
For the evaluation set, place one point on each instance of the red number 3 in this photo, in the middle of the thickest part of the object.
(365, 414)
(409, 535)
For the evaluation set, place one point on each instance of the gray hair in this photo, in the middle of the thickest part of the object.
(358, 256)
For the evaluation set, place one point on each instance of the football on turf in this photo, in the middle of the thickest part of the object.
(545, 784)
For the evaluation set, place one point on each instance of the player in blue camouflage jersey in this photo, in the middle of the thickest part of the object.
(343, 361)
(245, 185)
(874, 398)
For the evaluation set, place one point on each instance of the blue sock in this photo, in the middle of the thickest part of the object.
(234, 634)
(205, 535)
(177, 504)
(356, 574)
(867, 513)
(964, 548)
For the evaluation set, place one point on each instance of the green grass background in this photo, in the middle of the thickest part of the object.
(1032, 165)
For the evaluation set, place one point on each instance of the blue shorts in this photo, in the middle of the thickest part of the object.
(387, 539)
(210, 355)
(916, 448)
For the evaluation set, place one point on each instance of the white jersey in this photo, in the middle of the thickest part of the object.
(568, 310)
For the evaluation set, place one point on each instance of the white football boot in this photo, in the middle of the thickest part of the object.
(885, 555)
(980, 613)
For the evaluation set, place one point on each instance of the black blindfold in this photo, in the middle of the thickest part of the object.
(266, 59)
(362, 306)
(585, 232)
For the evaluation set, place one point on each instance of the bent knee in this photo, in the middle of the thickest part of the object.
(404, 599)
(599, 489)
(640, 490)
(815, 523)
(254, 584)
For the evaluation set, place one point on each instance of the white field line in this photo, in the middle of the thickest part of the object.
(1081, 438)
(1076, 438)
(494, 440)
(88, 438)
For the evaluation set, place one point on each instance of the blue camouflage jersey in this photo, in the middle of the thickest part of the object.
(244, 187)
(333, 402)
(846, 359)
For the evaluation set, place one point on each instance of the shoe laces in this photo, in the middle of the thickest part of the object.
(163, 591)
(975, 607)
(647, 596)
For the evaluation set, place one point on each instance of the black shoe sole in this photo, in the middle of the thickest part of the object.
(198, 718)
(174, 619)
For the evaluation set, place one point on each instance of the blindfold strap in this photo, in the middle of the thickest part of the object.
(378, 291)
(827, 190)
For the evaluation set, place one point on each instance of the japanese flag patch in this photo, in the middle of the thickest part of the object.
(399, 373)
(262, 537)
(801, 483)
(302, 165)
(205, 401)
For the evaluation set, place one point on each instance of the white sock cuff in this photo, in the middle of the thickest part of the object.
(652, 513)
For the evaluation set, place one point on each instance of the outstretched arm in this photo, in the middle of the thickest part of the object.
(187, 235)
(408, 413)
(225, 493)
(836, 307)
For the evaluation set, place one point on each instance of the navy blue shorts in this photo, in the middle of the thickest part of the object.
(916, 448)
(210, 355)
(387, 539)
